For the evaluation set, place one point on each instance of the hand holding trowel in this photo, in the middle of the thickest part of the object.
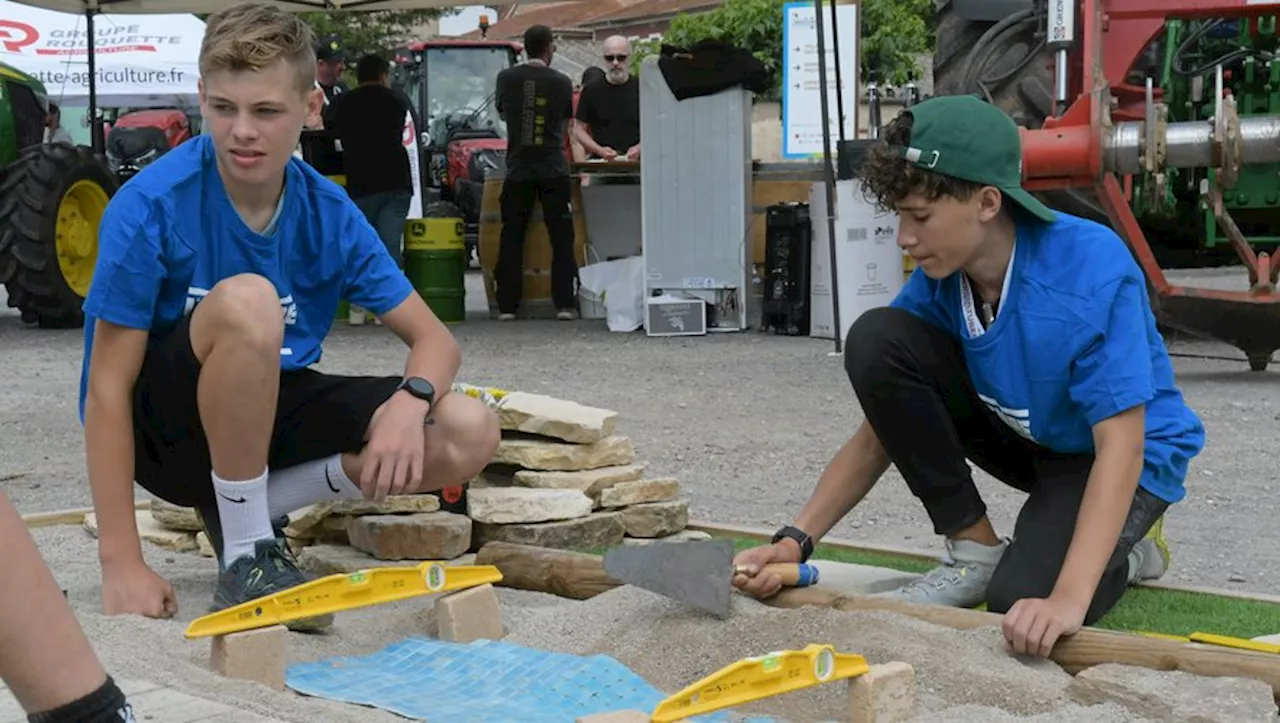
(697, 573)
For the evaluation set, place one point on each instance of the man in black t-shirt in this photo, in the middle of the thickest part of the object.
(608, 114)
(369, 121)
(536, 101)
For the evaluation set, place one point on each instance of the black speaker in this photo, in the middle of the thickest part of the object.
(788, 238)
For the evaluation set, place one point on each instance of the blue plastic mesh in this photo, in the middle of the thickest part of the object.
(480, 682)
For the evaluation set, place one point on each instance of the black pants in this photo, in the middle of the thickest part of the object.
(317, 415)
(518, 197)
(915, 391)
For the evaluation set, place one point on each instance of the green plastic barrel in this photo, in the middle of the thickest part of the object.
(435, 261)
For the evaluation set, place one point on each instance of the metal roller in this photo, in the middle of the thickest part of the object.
(1190, 144)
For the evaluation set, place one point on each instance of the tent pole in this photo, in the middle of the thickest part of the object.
(95, 126)
(828, 172)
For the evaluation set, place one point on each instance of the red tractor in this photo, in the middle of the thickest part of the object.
(461, 136)
(139, 137)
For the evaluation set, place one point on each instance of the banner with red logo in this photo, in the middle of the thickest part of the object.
(141, 60)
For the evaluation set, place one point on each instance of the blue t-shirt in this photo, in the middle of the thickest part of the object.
(170, 234)
(1073, 343)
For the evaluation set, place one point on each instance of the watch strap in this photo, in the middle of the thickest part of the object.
(800, 536)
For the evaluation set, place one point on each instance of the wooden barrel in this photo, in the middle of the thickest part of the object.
(535, 300)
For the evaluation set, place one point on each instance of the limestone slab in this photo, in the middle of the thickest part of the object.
(655, 519)
(637, 492)
(599, 529)
(544, 455)
(420, 536)
(591, 482)
(551, 417)
(516, 505)
(151, 531)
(174, 517)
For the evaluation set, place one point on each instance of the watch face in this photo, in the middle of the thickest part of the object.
(420, 388)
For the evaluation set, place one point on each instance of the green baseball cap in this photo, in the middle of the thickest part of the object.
(965, 137)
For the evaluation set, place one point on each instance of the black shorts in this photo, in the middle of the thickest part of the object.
(317, 415)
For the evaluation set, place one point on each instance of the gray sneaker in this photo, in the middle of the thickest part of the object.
(960, 581)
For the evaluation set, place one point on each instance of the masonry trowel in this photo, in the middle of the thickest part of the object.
(699, 574)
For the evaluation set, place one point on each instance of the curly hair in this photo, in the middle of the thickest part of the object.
(887, 178)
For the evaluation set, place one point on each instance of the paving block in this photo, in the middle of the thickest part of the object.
(257, 655)
(468, 615)
(884, 694)
(851, 579)
(618, 716)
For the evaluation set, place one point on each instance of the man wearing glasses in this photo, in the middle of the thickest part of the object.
(608, 117)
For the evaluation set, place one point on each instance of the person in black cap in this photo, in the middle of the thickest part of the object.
(331, 60)
(1024, 342)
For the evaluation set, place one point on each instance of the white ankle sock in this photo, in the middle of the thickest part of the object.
(309, 483)
(242, 509)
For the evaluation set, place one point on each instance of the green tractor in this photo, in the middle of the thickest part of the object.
(52, 198)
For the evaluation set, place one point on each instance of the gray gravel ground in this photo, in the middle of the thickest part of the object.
(746, 421)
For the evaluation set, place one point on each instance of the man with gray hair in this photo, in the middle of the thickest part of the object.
(608, 117)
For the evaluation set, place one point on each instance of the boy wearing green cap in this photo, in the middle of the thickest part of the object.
(1024, 342)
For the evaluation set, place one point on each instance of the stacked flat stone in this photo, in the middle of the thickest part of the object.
(561, 478)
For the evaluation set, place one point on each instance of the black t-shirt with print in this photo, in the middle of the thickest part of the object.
(612, 112)
(535, 101)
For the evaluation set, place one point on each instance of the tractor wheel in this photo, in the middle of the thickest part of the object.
(1005, 63)
(52, 199)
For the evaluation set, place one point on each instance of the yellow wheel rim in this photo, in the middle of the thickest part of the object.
(79, 214)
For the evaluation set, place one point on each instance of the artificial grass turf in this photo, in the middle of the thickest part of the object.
(1142, 609)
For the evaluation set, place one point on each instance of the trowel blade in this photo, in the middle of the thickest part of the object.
(696, 573)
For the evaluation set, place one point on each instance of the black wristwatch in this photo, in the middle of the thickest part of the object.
(420, 388)
(801, 538)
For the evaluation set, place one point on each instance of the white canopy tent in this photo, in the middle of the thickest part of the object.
(142, 61)
(94, 10)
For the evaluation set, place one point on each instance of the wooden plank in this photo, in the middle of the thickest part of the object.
(74, 516)
(1086, 648)
(847, 545)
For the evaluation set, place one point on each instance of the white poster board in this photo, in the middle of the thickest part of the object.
(410, 141)
(801, 85)
(868, 259)
(141, 60)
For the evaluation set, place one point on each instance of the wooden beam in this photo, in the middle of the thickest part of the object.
(74, 516)
(764, 535)
(1086, 648)
(565, 573)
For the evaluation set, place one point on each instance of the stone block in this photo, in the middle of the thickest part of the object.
(550, 456)
(204, 545)
(559, 418)
(515, 505)
(655, 519)
(638, 492)
(591, 482)
(393, 505)
(599, 529)
(151, 531)
(420, 536)
(471, 614)
(884, 694)
(173, 517)
(257, 655)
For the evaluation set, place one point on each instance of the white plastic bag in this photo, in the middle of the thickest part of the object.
(624, 295)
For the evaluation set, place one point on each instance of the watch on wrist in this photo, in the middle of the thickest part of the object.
(420, 388)
(800, 536)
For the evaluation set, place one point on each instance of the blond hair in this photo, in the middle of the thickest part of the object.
(253, 36)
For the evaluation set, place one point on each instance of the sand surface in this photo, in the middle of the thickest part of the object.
(961, 676)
